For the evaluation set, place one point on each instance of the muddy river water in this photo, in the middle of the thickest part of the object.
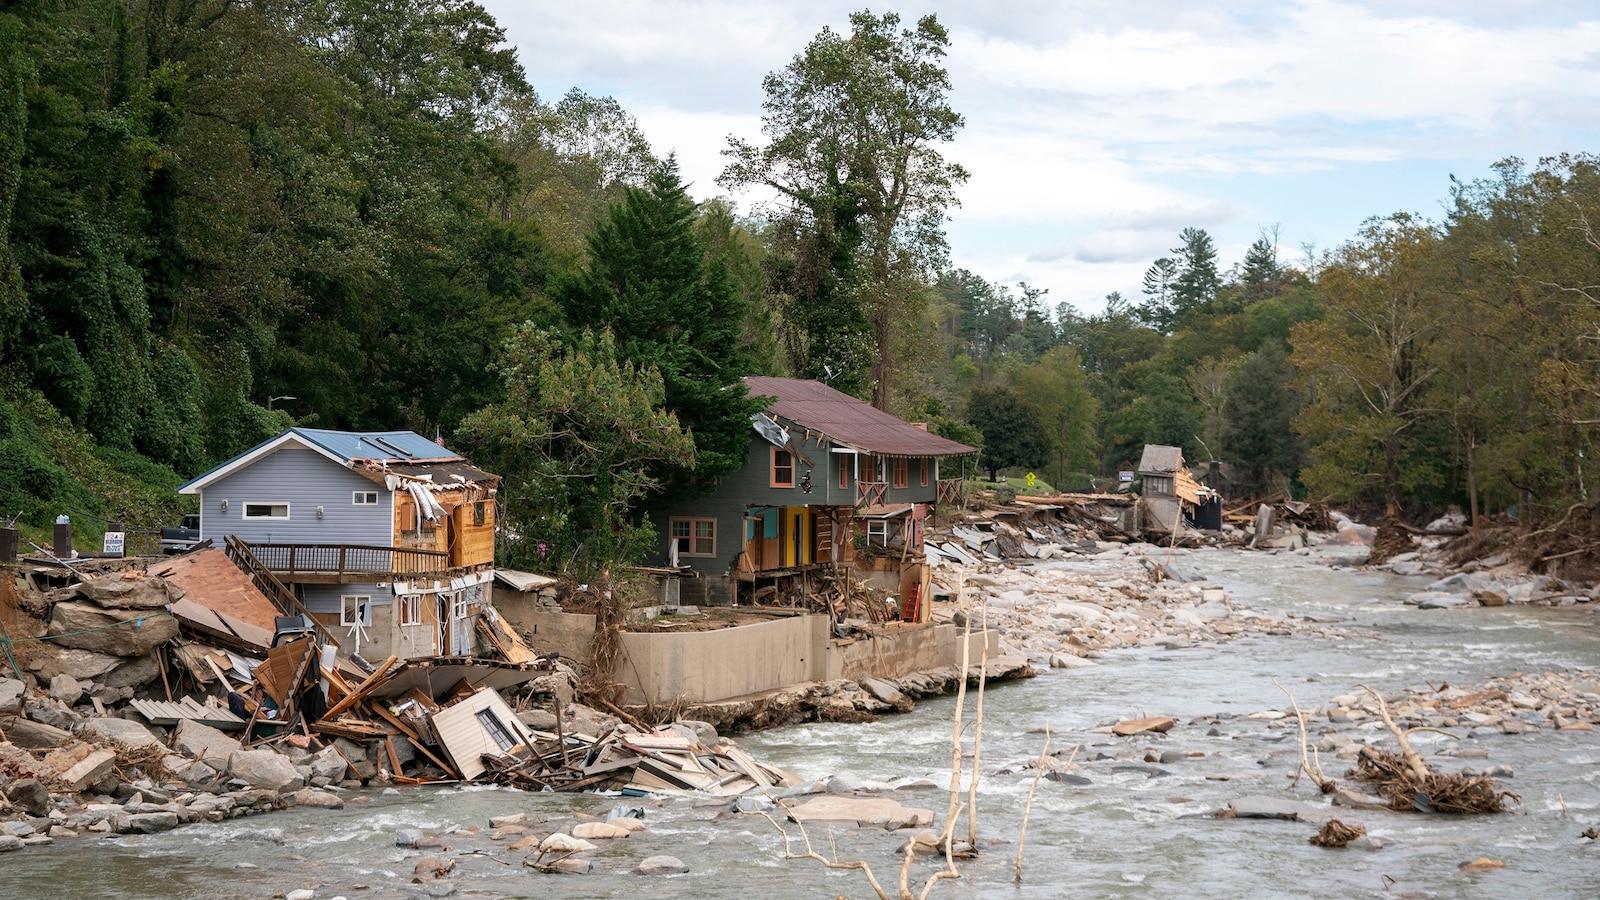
(1135, 829)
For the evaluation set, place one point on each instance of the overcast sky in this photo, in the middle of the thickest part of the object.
(1097, 129)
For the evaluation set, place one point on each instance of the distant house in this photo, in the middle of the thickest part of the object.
(825, 472)
(387, 538)
(1171, 496)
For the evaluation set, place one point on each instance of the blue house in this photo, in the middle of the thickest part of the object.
(386, 538)
(825, 473)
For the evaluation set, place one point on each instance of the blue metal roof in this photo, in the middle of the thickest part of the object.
(398, 446)
(343, 447)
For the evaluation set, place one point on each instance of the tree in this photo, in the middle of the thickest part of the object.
(1258, 414)
(853, 126)
(1196, 285)
(574, 442)
(1059, 389)
(1158, 312)
(1368, 358)
(649, 282)
(1012, 432)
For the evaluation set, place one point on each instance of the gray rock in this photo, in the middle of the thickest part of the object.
(11, 691)
(704, 731)
(661, 865)
(87, 626)
(122, 731)
(1172, 756)
(318, 799)
(29, 794)
(1275, 808)
(49, 712)
(538, 719)
(152, 823)
(20, 829)
(1444, 601)
(407, 837)
(66, 689)
(201, 741)
(887, 693)
(124, 592)
(329, 765)
(84, 665)
(133, 672)
(571, 866)
(9, 842)
(357, 755)
(845, 783)
(34, 735)
(264, 769)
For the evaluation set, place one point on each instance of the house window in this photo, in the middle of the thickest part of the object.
(266, 510)
(496, 730)
(458, 605)
(924, 473)
(695, 537)
(410, 609)
(844, 470)
(354, 610)
(878, 531)
(478, 514)
(782, 468)
(364, 498)
(901, 471)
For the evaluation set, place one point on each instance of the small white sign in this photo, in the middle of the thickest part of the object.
(114, 542)
(1124, 476)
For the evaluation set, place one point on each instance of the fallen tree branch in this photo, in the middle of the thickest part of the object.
(1323, 783)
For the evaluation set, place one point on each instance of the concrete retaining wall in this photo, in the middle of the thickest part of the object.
(906, 650)
(729, 662)
(546, 629)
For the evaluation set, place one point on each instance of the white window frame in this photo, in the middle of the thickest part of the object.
(692, 537)
(245, 510)
(409, 611)
(360, 498)
(362, 608)
(878, 528)
(458, 605)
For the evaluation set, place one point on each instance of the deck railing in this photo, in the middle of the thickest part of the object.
(290, 560)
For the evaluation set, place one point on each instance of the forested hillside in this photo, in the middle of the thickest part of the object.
(218, 219)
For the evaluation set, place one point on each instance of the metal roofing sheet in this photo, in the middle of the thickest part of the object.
(400, 446)
(846, 420)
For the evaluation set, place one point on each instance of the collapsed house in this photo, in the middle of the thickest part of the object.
(384, 539)
(1172, 499)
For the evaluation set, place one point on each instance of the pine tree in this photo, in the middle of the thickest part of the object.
(647, 280)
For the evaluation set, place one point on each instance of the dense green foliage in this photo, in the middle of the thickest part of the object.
(219, 219)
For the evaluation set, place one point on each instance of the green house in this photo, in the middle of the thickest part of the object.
(826, 473)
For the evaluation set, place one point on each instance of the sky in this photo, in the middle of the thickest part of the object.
(1096, 130)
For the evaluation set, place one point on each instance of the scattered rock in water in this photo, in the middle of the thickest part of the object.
(1067, 778)
(1482, 864)
(1158, 724)
(661, 865)
(1276, 808)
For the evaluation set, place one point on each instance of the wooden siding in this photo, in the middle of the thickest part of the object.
(467, 543)
(463, 736)
(305, 480)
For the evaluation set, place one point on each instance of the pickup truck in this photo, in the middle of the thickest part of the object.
(182, 538)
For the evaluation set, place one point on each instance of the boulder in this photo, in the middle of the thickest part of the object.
(122, 731)
(130, 590)
(599, 831)
(9, 842)
(318, 799)
(85, 626)
(34, 735)
(538, 719)
(201, 741)
(29, 794)
(1275, 808)
(661, 865)
(329, 765)
(564, 843)
(133, 672)
(887, 693)
(89, 770)
(151, 823)
(879, 811)
(84, 665)
(362, 767)
(265, 770)
(1159, 724)
(572, 866)
(11, 691)
(66, 689)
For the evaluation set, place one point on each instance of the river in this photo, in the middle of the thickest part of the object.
(1136, 830)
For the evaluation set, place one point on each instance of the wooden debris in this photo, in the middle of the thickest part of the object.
(1335, 833)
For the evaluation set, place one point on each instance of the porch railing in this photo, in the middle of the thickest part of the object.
(268, 584)
(949, 490)
(289, 560)
(872, 493)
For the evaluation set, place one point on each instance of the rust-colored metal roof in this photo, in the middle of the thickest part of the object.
(848, 421)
